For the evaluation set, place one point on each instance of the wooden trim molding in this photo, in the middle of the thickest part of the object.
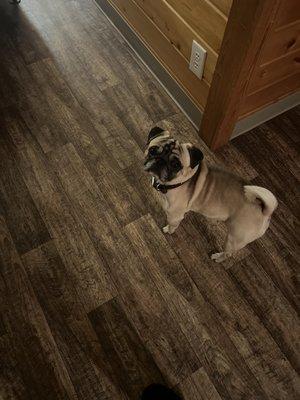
(248, 24)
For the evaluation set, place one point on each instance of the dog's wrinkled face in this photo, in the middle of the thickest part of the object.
(168, 159)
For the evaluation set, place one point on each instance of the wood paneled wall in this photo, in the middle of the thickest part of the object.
(276, 72)
(168, 28)
(253, 53)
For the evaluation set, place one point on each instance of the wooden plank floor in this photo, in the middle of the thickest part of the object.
(95, 302)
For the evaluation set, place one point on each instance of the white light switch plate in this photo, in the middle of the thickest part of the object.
(197, 59)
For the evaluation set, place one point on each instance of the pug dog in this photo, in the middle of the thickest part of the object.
(187, 183)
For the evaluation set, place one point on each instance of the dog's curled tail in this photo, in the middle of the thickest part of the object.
(268, 199)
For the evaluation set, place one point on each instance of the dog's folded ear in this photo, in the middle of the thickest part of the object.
(155, 132)
(196, 156)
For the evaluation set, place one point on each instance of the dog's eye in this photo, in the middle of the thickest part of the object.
(153, 150)
(175, 164)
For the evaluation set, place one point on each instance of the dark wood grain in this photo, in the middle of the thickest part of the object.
(279, 170)
(189, 308)
(126, 358)
(29, 354)
(198, 386)
(196, 313)
(23, 218)
(287, 126)
(64, 309)
(95, 302)
(134, 117)
(275, 312)
(73, 242)
(145, 307)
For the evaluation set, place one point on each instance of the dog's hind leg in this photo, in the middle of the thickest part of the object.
(232, 245)
(242, 230)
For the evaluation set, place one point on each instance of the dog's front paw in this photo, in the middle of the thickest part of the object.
(218, 257)
(169, 229)
(166, 229)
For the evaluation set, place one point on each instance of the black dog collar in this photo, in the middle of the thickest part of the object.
(164, 188)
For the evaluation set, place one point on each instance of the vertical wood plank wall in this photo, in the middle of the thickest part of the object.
(277, 70)
(168, 27)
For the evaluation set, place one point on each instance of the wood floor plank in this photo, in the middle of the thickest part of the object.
(49, 80)
(284, 146)
(122, 197)
(234, 314)
(198, 386)
(116, 137)
(125, 106)
(93, 58)
(65, 120)
(281, 266)
(287, 125)
(101, 303)
(17, 88)
(78, 184)
(145, 308)
(78, 77)
(195, 316)
(97, 65)
(24, 221)
(237, 162)
(56, 103)
(65, 311)
(73, 242)
(275, 170)
(136, 76)
(126, 358)
(91, 201)
(86, 65)
(283, 229)
(11, 384)
(270, 305)
(62, 119)
(85, 136)
(27, 333)
(92, 192)
(51, 17)
(46, 133)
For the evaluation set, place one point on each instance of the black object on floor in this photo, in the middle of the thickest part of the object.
(159, 392)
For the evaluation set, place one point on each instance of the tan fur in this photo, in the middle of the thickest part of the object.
(216, 193)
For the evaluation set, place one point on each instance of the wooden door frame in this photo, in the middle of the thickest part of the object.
(247, 27)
